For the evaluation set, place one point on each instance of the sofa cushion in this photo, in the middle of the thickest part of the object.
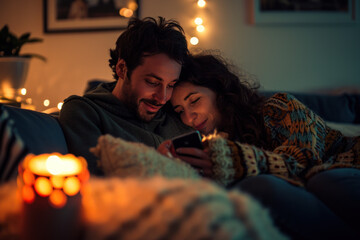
(12, 147)
(343, 108)
(41, 132)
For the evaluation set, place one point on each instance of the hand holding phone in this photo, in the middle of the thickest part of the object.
(197, 158)
(188, 140)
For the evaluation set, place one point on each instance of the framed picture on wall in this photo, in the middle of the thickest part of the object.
(88, 15)
(305, 11)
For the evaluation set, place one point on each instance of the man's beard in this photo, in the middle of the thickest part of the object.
(132, 103)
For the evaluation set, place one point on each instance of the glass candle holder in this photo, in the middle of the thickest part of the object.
(50, 186)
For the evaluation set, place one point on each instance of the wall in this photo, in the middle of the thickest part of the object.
(288, 57)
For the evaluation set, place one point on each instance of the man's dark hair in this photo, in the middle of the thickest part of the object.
(148, 37)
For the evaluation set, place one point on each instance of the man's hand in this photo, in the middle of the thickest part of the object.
(166, 148)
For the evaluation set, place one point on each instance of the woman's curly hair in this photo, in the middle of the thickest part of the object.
(237, 99)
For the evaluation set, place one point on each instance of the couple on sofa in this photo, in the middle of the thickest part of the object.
(276, 149)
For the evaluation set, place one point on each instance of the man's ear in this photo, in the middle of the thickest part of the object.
(121, 69)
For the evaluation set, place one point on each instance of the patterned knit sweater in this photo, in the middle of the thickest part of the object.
(301, 146)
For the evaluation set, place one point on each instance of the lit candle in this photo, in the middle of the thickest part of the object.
(50, 186)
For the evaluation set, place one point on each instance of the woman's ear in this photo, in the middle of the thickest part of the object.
(121, 69)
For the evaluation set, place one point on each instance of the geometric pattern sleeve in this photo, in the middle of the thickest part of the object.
(243, 160)
(297, 138)
(295, 131)
(300, 146)
(303, 135)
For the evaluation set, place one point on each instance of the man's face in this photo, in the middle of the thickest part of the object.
(150, 85)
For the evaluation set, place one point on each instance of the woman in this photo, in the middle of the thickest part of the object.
(278, 150)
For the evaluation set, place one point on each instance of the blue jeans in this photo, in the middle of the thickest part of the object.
(298, 213)
(339, 189)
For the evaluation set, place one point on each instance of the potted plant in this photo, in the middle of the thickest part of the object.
(13, 65)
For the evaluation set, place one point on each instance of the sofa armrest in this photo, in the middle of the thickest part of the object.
(40, 132)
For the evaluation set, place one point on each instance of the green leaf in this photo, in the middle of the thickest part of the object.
(34, 55)
(10, 44)
(5, 30)
(32, 40)
(25, 36)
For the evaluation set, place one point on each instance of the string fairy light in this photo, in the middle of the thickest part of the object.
(200, 28)
(198, 21)
(201, 3)
(46, 102)
(199, 24)
(194, 40)
(60, 104)
(23, 91)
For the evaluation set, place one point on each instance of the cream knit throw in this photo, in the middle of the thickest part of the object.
(130, 159)
(157, 208)
(221, 156)
(121, 158)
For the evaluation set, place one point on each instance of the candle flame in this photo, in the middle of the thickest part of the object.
(54, 164)
(55, 176)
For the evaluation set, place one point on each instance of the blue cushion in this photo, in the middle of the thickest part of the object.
(41, 132)
(12, 147)
(343, 108)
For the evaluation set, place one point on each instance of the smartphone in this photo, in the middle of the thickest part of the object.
(192, 139)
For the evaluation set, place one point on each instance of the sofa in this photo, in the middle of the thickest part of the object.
(24, 131)
(41, 132)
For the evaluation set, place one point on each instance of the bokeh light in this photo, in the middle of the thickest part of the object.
(46, 102)
(201, 3)
(200, 28)
(198, 21)
(194, 41)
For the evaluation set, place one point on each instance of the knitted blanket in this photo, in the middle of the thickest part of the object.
(156, 208)
(121, 158)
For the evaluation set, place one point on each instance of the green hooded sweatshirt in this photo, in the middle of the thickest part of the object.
(98, 112)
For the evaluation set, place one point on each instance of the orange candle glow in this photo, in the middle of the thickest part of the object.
(50, 186)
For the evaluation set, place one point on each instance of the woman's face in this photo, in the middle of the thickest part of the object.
(196, 106)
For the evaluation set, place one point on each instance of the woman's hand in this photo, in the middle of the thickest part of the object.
(196, 157)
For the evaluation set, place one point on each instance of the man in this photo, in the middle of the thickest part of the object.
(146, 63)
